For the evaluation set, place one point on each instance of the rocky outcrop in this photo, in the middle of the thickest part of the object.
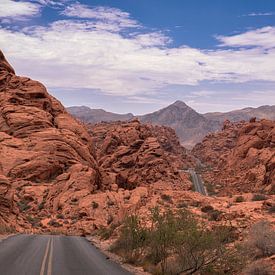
(57, 175)
(241, 157)
(132, 154)
(41, 146)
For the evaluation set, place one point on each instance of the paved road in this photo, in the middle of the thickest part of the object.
(198, 183)
(54, 255)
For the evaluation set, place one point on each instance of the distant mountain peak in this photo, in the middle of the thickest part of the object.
(180, 104)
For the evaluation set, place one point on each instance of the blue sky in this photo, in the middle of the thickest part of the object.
(140, 55)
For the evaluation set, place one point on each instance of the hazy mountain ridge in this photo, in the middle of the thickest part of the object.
(89, 115)
(266, 111)
(190, 126)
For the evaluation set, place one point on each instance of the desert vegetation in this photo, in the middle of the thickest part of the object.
(175, 243)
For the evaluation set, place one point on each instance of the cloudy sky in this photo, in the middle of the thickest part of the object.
(141, 55)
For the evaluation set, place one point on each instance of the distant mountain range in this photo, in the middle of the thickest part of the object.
(189, 125)
(89, 115)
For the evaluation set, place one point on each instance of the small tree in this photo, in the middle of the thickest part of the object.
(259, 268)
(161, 237)
(262, 239)
(132, 239)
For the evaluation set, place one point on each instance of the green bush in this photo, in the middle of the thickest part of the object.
(166, 197)
(214, 215)
(94, 204)
(272, 209)
(33, 220)
(54, 223)
(262, 239)
(132, 239)
(207, 208)
(106, 232)
(23, 205)
(6, 229)
(239, 199)
(259, 197)
(259, 268)
(60, 216)
(194, 249)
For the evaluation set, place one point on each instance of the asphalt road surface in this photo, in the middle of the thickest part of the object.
(54, 255)
(197, 181)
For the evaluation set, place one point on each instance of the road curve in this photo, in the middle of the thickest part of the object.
(54, 255)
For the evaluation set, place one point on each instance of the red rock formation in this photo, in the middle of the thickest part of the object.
(49, 175)
(40, 144)
(132, 154)
(242, 157)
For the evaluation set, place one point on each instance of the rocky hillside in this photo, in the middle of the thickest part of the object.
(45, 155)
(89, 115)
(241, 157)
(55, 175)
(132, 154)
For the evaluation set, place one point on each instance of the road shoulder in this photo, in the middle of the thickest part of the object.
(104, 246)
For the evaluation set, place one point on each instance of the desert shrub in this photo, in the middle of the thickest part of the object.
(259, 197)
(239, 199)
(207, 208)
(259, 268)
(182, 204)
(41, 205)
(33, 220)
(214, 215)
(94, 204)
(132, 239)
(23, 205)
(166, 197)
(271, 209)
(60, 216)
(161, 236)
(262, 239)
(6, 229)
(175, 243)
(210, 189)
(106, 232)
(54, 223)
(110, 203)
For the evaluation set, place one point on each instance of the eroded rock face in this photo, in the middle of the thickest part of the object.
(132, 154)
(40, 143)
(55, 175)
(242, 157)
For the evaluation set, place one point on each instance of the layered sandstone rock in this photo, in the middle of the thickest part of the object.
(55, 175)
(132, 154)
(241, 157)
(41, 146)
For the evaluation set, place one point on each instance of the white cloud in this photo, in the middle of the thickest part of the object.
(106, 14)
(18, 10)
(153, 39)
(96, 54)
(263, 37)
(260, 14)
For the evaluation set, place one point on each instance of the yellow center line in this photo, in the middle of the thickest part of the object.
(42, 270)
(50, 259)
